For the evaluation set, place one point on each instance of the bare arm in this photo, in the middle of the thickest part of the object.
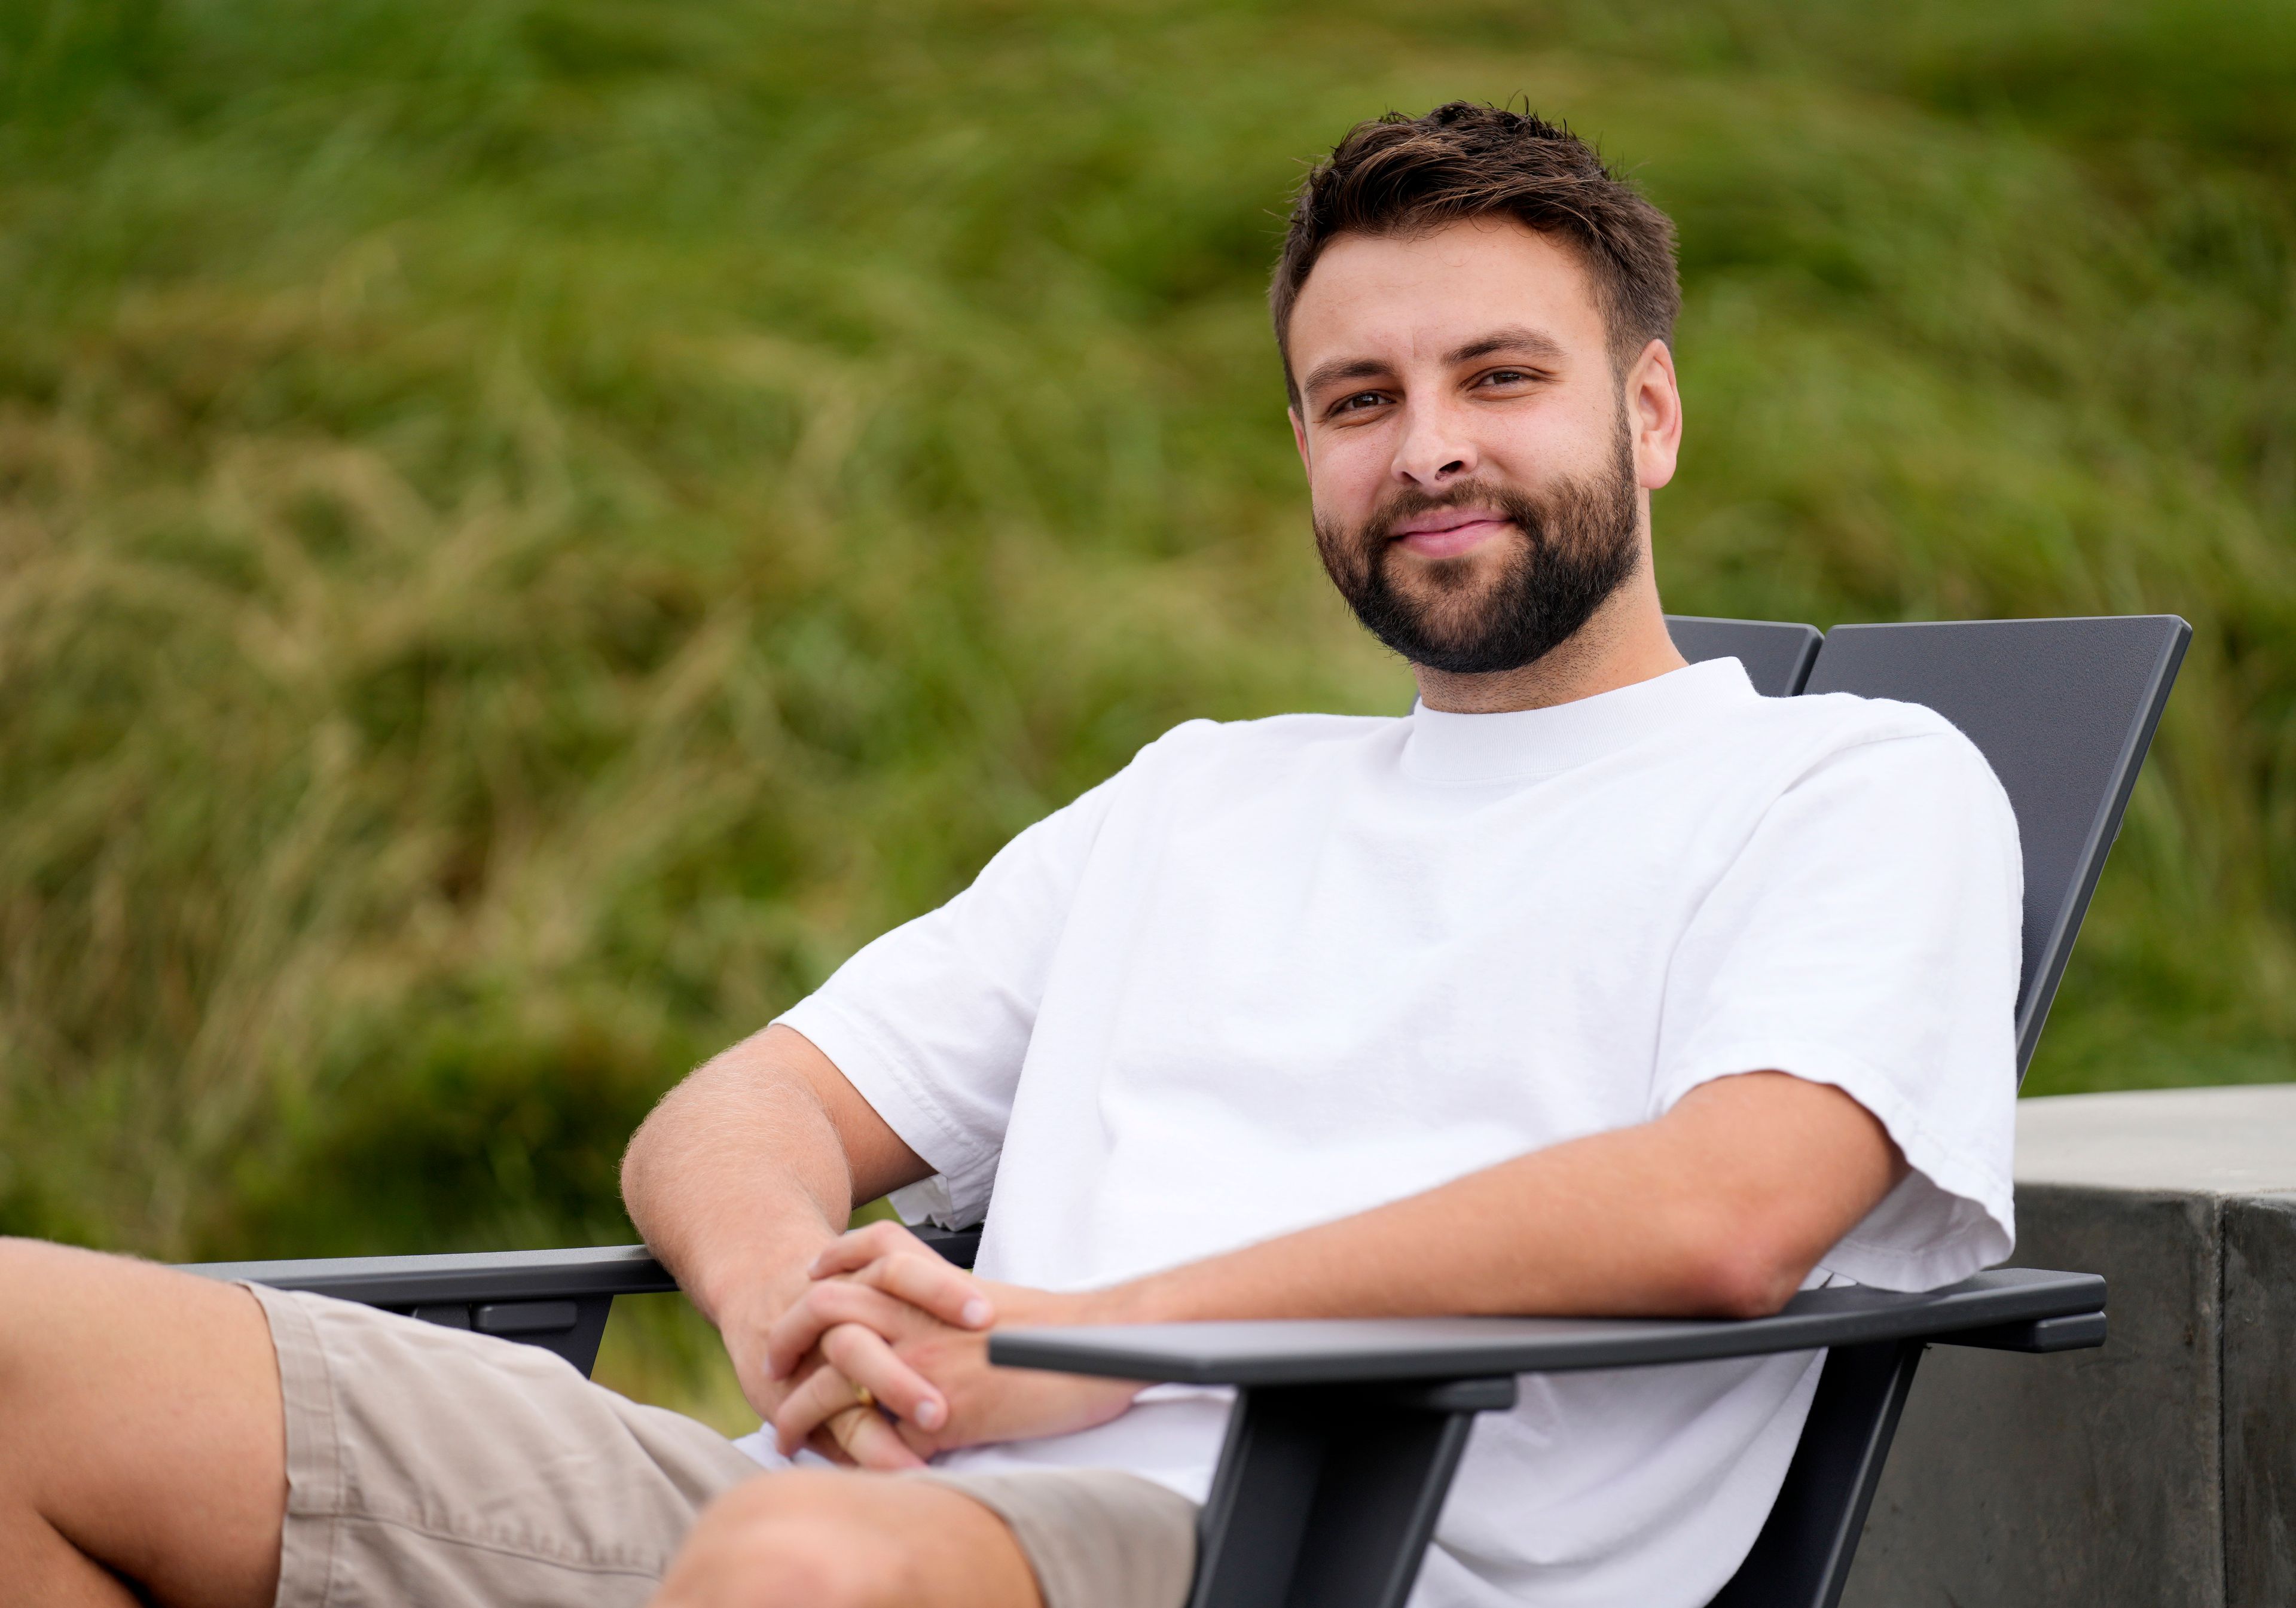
(1719, 1209)
(745, 1171)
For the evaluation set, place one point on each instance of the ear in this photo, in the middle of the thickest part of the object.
(1299, 441)
(1654, 403)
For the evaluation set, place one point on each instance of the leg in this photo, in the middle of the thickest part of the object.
(807, 1538)
(145, 1435)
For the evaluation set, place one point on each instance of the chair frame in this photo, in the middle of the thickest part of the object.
(1346, 1433)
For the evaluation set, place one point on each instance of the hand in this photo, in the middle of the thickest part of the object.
(854, 1435)
(889, 1313)
(889, 1287)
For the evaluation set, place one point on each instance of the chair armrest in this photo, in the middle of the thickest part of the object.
(2015, 1309)
(485, 1275)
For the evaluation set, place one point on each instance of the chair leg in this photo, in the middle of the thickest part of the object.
(1801, 1559)
(1326, 1497)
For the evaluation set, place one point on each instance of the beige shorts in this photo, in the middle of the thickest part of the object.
(456, 1470)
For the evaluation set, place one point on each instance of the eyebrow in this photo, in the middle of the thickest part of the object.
(1343, 368)
(1514, 338)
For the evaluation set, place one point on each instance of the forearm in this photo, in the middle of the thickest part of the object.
(1719, 1210)
(1543, 1234)
(739, 1178)
(1599, 1226)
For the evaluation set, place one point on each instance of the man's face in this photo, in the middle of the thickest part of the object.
(1477, 477)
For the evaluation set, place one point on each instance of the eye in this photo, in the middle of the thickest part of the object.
(1508, 376)
(1356, 403)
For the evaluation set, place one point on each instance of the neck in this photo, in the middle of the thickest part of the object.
(1623, 641)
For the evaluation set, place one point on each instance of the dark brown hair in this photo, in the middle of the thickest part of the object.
(1405, 175)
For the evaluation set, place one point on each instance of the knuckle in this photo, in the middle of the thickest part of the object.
(820, 1312)
(845, 1343)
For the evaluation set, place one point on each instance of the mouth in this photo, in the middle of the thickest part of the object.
(1448, 532)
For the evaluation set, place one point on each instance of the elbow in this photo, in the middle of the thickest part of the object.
(1742, 1273)
(1761, 1293)
(632, 1172)
(633, 1180)
(639, 1158)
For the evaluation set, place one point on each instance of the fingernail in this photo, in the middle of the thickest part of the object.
(930, 1413)
(976, 1312)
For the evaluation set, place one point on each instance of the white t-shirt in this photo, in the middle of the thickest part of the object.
(1279, 972)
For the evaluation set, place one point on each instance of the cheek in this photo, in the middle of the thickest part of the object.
(1577, 439)
(1348, 479)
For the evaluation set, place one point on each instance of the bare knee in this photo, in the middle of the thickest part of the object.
(824, 1566)
(145, 1418)
(53, 1298)
(41, 1289)
(807, 1538)
(26, 1266)
(799, 1538)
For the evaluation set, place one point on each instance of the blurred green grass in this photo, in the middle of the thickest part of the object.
(528, 529)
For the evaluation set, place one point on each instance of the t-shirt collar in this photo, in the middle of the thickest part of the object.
(1444, 747)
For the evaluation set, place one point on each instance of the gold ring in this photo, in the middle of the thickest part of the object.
(862, 1395)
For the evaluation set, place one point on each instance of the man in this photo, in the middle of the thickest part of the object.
(1598, 985)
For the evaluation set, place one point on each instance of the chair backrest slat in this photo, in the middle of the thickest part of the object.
(2063, 709)
(1777, 656)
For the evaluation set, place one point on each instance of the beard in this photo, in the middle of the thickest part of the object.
(1576, 543)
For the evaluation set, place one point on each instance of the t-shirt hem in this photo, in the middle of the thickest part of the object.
(1887, 1268)
(1946, 1167)
(899, 1093)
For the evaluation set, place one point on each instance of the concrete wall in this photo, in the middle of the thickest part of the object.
(2159, 1472)
(2259, 1400)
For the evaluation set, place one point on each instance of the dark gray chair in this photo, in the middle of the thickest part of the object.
(1346, 1434)
(1777, 656)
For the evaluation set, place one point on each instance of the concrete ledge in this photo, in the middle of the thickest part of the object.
(2159, 1472)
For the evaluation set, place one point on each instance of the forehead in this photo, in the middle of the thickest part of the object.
(1401, 297)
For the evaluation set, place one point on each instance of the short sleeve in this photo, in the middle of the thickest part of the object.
(932, 1021)
(1866, 936)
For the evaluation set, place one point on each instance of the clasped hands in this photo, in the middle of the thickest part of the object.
(883, 1359)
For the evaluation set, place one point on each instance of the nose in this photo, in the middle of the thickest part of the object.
(1435, 449)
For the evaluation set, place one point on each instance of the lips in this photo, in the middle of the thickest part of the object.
(1448, 532)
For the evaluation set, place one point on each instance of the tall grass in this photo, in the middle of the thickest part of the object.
(528, 529)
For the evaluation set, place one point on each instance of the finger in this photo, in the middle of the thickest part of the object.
(928, 1282)
(798, 1330)
(869, 1438)
(859, 1247)
(830, 1446)
(924, 1444)
(863, 1357)
(826, 1393)
(821, 1307)
(855, 1357)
